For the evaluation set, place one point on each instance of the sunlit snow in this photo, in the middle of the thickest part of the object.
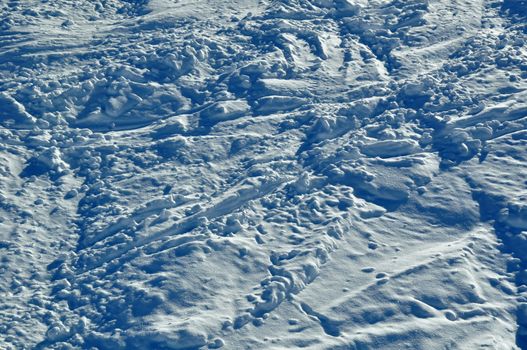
(285, 174)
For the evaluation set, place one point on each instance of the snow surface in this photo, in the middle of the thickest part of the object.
(245, 174)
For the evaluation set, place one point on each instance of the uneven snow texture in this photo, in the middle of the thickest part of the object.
(316, 174)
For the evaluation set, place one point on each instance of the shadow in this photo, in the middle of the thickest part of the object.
(515, 7)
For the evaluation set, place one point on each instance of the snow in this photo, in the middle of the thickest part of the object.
(316, 174)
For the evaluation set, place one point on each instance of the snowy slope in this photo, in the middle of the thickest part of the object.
(319, 174)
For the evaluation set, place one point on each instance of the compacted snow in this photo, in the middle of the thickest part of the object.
(244, 174)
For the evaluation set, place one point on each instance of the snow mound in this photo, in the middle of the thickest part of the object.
(286, 174)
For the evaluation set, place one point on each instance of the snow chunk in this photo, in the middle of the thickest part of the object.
(272, 104)
(116, 106)
(515, 215)
(225, 110)
(14, 111)
(390, 148)
(48, 161)
(283, 87)
(347, 8)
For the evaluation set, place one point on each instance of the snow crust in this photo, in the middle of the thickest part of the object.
(286, 174)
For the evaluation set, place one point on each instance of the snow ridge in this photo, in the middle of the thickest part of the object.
(320, 174)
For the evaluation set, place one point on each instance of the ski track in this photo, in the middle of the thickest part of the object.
(319, 174)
